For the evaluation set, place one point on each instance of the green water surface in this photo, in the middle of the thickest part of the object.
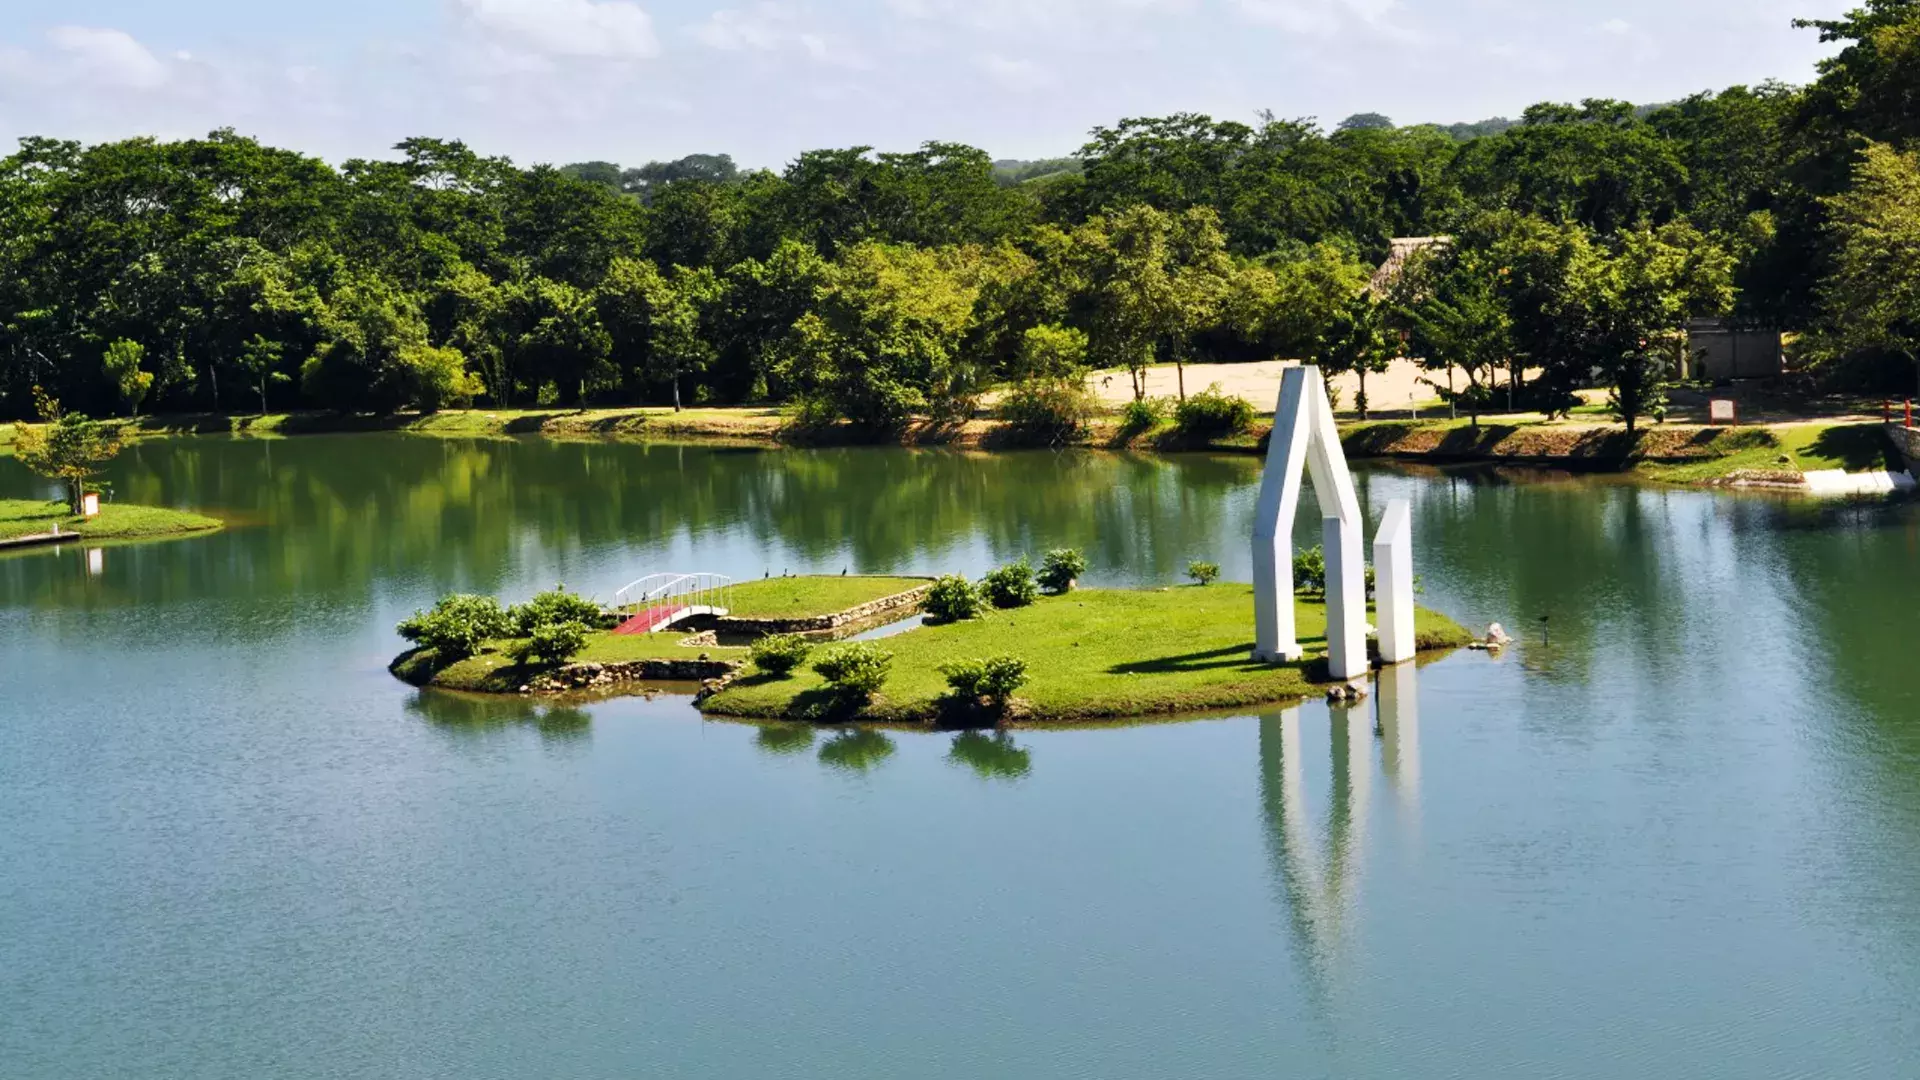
(1676, 832)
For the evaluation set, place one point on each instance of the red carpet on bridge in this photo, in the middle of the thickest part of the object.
(646, 622)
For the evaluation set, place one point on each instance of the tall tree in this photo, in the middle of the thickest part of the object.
(1872, 298)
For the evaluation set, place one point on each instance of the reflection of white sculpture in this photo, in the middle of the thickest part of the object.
(1306, 440)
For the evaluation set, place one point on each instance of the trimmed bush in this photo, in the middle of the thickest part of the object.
(856, 671)
(1048, 409)
(554, 606)
(953, 599)
(1141, 416)
(1212, 414)
(1061, 568)
(1310, 571)
(778, 654)
(552, 643)
(995, 679)
(1203, 573)
(458, 625)
(1012, 586)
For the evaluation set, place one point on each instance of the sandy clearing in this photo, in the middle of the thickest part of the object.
(1403, 382)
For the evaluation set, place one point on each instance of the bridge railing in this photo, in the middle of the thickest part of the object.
(675, 590)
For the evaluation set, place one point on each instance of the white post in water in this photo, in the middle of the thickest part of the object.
(1393, 583)
(1306, 440)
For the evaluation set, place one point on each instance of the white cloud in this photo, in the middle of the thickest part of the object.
(1617, 26)
(763, 28)
(1016, 14)
(591, 29)
(108, 57)
(770, 27)
(1320, 17)
(1023, 76)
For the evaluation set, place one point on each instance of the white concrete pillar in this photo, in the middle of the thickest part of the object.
(1275, 638)
(1346, 598)
(1393, 583)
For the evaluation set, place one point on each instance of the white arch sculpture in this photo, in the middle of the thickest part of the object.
(1306, 440)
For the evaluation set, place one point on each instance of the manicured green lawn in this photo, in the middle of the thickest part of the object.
(1092, 654)
(494, 672)
(801, 597)
(1805, 448)
(26, 517)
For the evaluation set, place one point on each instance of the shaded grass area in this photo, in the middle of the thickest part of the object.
(805, 597)
(1784, 452)
(493, 671)
(1094, 654)
(758, 424)
(116, 521)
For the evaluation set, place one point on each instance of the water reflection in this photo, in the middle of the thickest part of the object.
(1317, 871)
(991, 755)
(856, 750)
(784, 739)
(467, 716)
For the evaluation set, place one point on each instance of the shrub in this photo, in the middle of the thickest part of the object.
(552, 643)
(1310, 571)
(458, 625)
(1203, 573)
(1048, 409)
(1012, 585)
(1061, 568)
(1212, 414)
(778, 654)
(1052, 350)
(857, 670)
(1142, 415)
(953, 599)
(556, 605)
(994, 679)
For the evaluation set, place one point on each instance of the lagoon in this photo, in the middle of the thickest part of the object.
(1676, 832)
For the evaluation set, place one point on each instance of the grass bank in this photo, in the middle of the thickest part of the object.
(804, 597)
(1091, 655)
(1670, 453)
(492, 671)
(116, 521)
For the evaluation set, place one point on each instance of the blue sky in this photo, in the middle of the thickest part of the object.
(634, 80)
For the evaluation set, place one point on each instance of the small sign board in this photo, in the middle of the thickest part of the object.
(1722, 411)
(90, 505)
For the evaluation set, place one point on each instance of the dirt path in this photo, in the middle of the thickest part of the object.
(1403, 383)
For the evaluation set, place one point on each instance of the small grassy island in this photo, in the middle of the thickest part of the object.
(24, 519)
(1097, 654)
(992, 652)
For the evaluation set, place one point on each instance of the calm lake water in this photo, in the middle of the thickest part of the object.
(1675, 833)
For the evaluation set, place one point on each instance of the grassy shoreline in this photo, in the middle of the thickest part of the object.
(20, 518)
(1777, 453)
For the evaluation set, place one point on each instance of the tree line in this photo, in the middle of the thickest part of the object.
(222, 274)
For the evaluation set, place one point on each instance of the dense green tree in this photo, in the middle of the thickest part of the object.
(1456, 320)
(1361, 341)
(1626, 304)
(1872, 299)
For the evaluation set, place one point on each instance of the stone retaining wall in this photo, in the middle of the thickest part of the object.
(597, 676)
(897, 604)
(1908, 440)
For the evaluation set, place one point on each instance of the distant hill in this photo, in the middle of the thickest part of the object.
(1012, 173)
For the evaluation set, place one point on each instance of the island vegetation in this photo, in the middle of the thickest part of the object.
(71, 449)
(995, 650)
(867, 292)
(21, 518)
(1088, 655)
